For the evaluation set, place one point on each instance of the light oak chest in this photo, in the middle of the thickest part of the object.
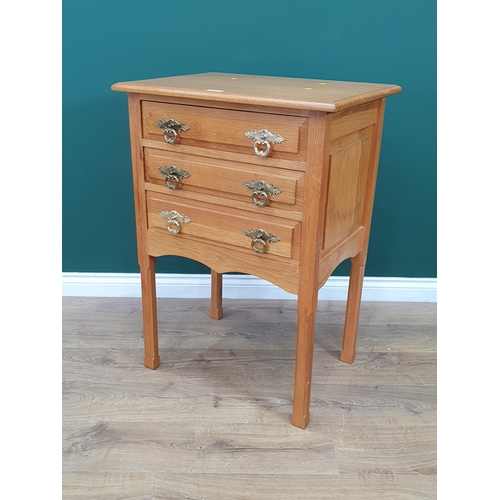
(273, 177)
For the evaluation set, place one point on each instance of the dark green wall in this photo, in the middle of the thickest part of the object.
(380, 41)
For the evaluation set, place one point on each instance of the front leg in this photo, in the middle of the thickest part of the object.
(306, 304)
(149, 313)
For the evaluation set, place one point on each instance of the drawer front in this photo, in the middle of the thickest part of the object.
(223, 226)
(224, 179)
(226, 129)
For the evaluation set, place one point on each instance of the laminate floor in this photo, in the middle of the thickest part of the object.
(213, 421)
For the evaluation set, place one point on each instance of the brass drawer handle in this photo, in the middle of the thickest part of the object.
(172, 175)
(260, 239)
(172, 127)
(264, 138)
(261, 191)
(174, 221)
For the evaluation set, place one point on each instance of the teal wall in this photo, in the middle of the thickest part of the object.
(380, 41)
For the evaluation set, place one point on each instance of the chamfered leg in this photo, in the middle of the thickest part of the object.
(306, 304)
(316, 175)
(149, 313)
(353, 307)
(216, 296)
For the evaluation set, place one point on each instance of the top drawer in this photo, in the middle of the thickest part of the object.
(222, 129)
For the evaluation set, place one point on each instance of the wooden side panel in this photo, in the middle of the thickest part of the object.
(354, 119)
(346, 191)
(359, 260)
(372, 173)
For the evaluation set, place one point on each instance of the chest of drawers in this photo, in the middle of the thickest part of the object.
(273, 177)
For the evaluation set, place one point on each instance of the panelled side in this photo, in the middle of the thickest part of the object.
(346, 189)
(352, 143)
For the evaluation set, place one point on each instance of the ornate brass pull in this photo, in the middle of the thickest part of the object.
(172, 127)
(261, 191)
(172, 175)
(260, 239)
(263, 138)
(174, 221)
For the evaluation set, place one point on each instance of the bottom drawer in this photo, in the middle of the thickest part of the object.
(283, 273)
(223, 226)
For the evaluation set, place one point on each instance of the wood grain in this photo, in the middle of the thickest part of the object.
(85, 485)
(212, 421)
(224, 179)
(325, 214)
(365, 195)
(141, 224)
(220, 225)
(353, 307)
(313, 217)
(216, 295)
(149, 313)
(147, 263)
(281, 271)
(352, 120)
(372, 174)
(298, 93)
(346, 248)
(283, 210)
(365, 486)
(233, 153)
(242, 448)
(189, 101)
(220, 126)
(346, 192)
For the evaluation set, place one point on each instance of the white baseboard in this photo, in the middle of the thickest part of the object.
(242, 287)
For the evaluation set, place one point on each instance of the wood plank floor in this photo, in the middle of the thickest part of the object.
(213, 421)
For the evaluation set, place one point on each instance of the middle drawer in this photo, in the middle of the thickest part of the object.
(261, 186)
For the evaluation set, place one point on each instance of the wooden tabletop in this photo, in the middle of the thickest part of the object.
(295, 93)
